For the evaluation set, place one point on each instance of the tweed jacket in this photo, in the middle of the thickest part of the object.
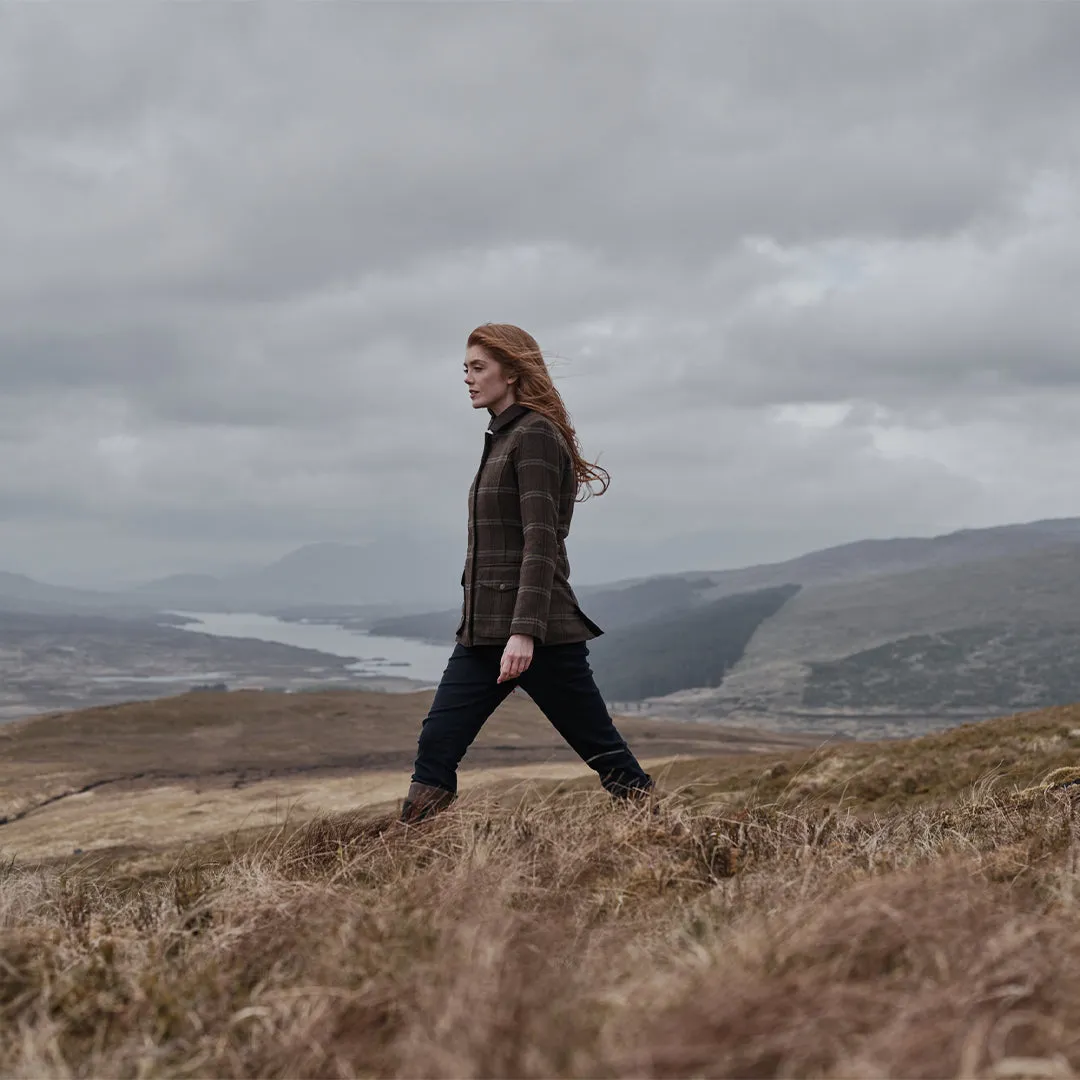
(516, 578)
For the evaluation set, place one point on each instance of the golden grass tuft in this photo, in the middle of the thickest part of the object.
(565, 936)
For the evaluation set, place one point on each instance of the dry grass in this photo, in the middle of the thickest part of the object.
(797, 915)
(237, 739)
(148, 823)
(564, 936)
(878, 776)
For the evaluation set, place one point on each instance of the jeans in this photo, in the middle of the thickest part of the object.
(559, 680)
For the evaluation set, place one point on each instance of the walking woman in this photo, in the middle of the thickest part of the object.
(521, 624)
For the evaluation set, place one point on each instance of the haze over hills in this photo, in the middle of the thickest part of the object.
(979, 638)
(351, 575)
(625, 603)
(21, 593)
(327, 574)
(871, 558)
(872, 637)
(180, 585)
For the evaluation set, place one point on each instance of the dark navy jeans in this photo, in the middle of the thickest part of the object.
(559, 680)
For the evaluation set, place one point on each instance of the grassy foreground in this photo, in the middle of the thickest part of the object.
(791, 926)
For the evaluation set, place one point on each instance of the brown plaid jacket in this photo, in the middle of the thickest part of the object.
(516, 577)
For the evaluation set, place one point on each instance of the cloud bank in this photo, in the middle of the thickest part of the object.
(807, 273)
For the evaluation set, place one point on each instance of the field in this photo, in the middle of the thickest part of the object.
(138, 776)
(860, 909)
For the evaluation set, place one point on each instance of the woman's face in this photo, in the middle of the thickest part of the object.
(489, 386)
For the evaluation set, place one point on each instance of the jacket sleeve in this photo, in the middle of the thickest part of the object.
(540, 458)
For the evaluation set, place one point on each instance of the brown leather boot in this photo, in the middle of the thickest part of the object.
(645, 797)
(422, 801)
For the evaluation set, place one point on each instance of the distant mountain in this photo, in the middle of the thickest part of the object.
(400, 570)
(871, 558)
(696, 647)
(404, 572)
(972, 622)
(621, 608)
(925, 647)
(420, 574)
(21, 593)
(398, 574)
(192, 591)
(180, 582)
(622, 604)
(883, 637)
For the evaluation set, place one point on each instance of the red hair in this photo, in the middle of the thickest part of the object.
(520, 356)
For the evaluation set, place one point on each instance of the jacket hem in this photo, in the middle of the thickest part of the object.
(584, 635)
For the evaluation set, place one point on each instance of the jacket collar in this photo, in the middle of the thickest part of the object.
(506, 418)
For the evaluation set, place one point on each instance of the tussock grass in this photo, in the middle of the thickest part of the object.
(1010, 752)
(561, 935)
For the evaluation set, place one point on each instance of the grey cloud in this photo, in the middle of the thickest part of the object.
(250, 241)
(953, 318)
(393, 135)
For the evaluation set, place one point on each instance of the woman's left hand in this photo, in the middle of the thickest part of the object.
(516, 657)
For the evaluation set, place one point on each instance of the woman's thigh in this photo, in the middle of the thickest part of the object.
(467, 695)
(560, 681)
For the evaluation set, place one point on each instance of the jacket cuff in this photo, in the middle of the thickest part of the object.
(531, 627)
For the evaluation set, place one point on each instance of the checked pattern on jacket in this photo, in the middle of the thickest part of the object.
(517, 574)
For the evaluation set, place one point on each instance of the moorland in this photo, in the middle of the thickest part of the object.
(785, 907)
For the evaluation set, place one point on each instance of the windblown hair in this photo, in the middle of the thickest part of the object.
(520, 356)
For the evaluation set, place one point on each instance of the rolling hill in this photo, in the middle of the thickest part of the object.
(875, 558)
(414, 573)
(401, 572)
(21, 593)
(882, 638)
(693, 647)
(898, 653)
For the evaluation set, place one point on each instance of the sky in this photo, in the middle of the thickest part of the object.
(805, 272)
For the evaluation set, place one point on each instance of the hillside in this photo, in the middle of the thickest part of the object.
(400, 572)
(696, 647)
(617, 608)
(885, 637)
(23, 594)
(216, 760)
(61, 661)
(903, 909)
(621, 604)
(413, 573)
(873, 558)
(897, 654)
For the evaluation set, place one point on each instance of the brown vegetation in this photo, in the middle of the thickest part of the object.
(240, 738)
(786, 932)
(1013, 750)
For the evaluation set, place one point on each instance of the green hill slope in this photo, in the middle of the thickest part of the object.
(695, 647)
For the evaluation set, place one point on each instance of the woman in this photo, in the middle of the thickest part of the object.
(520, 622)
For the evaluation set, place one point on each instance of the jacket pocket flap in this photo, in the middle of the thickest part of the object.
(498, 577)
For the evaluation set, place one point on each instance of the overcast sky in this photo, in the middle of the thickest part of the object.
(809, 272)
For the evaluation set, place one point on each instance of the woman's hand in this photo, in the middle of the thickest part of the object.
(516, 657)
